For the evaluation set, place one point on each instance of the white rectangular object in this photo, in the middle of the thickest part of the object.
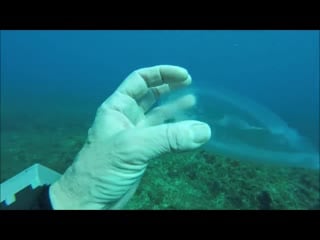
(36, 175)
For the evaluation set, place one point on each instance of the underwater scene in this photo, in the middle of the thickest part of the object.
(258, 91)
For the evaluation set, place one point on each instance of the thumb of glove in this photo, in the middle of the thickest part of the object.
(150, 142)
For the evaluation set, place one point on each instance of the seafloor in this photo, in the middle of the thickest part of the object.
(190, 180)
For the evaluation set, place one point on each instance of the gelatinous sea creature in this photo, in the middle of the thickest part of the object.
(245, 130)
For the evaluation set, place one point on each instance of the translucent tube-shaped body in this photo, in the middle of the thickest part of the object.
(245, 130)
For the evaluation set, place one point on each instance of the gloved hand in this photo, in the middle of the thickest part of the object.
(126, 134)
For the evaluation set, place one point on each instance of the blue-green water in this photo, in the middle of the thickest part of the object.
(53, 81)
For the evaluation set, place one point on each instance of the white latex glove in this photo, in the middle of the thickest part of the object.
(126, 134)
